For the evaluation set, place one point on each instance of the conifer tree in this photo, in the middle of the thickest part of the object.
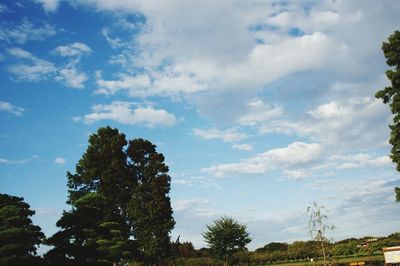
(19, 238)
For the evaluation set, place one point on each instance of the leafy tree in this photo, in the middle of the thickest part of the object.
(19, 238)
(317, 225)
(274, 246)
(76, 242)
(118, 191)
(225, 237)
(391, 95)
(150, 207)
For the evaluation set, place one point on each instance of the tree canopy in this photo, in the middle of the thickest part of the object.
(225, 237)
(391, 95)
(19, 238)
(120, 204)
(150, 208)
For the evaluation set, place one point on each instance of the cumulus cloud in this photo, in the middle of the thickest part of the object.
(295, 156)
(135, 85)
(60, 160)
(150, 84)
(122, 112)
(259, 112)
(13, 109)
(26, 31)
(349, 123)
(229, 135)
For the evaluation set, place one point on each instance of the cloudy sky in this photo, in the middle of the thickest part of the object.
(260, 107)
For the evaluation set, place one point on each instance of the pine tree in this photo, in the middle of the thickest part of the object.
(150, 207)
(19, 238)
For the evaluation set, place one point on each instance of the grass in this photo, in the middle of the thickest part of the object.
(335, 260)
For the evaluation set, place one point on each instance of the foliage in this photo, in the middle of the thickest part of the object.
(225, 237)
(273, 246)
(150, 207)
(19, 238)
(119, 190)
(317, 225)
(391, 95)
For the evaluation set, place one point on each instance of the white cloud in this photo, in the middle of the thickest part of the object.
(296, 174)
(49, 5)
(151, 84)
(229, 135)
(243, 147)
(352, 161)
(184, 204)
(60, 160)
(74, 49)
(122, 112)
(13, 109)
(113, 42)
(11, 162)
(350, 123)
(71, 77)
(259, 112)
(26, 31)
(135, 85)
(295, 156)
(36, 69)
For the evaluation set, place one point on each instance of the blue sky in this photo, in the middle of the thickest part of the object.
(260, 107)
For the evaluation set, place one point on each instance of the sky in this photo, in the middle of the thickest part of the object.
(260, 107)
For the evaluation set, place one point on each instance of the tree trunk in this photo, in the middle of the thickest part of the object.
(323, 251)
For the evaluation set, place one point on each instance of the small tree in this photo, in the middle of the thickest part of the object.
(19, 238)
(225, 237)
(317, 226)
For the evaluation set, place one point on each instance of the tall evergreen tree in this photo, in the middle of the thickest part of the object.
(150, 207)
(19, 238)
(98, 192)
(76, 242)
(391, 95)
(118, 191)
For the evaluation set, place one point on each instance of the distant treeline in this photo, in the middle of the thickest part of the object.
(275, 252)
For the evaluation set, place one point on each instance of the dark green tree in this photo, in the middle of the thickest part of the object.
(391, 95)
(226, 237)
(99, 192)
(274, 246)
(76, 242)
(19, 238)
(118, 191)
(150, 207)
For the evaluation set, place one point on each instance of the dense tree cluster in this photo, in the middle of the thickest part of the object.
(120, 202)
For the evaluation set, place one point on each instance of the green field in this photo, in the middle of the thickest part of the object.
(341, 260)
